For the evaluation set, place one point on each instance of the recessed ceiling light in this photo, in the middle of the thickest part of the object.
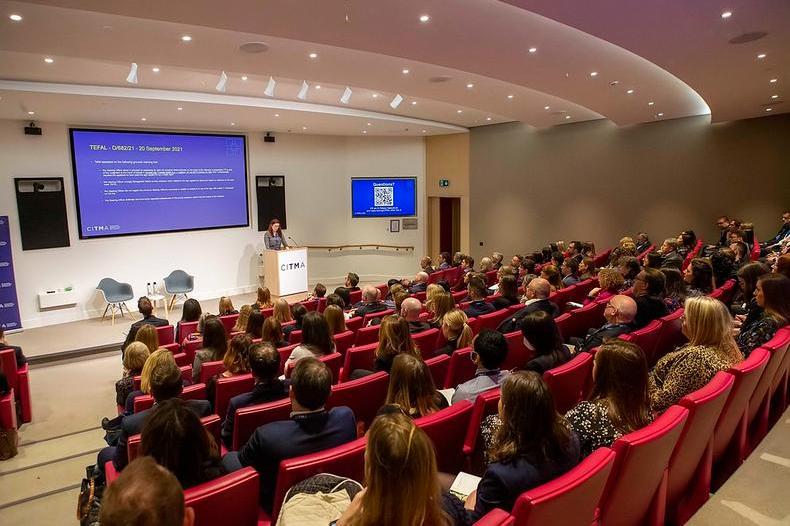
(614, 83)
(761, 55)
(424, 131)
(630, 92)
(180, 108)
(546, 107)
(304, 127)
(459, 111)
(370, 124)
(364, 131)
(488, 118)
(49, 60)
(773, 81)
(533, 50)
(186, 38)
(244, 77)
(276, 114)
(470, 85)
(774, 96)
(155, 70)
(143, 119)
(726, 14)
(593, 73)
(375, 95)
(405, 71)
(768, 109)
(313, 55)
(31, 113)
(650, 103)
(15, 17)
(510, 96)
(233, 124)
(424, 18)
(414, 103)
(661, 114)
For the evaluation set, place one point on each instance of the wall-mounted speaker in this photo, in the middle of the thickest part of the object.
(41, 203)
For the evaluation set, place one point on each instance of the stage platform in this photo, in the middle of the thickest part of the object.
(93, 336)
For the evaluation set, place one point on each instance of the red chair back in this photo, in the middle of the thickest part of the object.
(334, 361)
(581, 320)
(491, 277)
(190, 392)
(571, 498)
(295, 337)
(635, 493)
(563, 296)
(486, 403)
(166, 334)
(727, 291)
(354, 324)
(367, 335)
(8, 366)
(384, 289)
(227, 388)
(517, 353)
(568, 381)
(438, 365)
(602, 258)
(458, 296)
(426, 341)
(447, 430)
(310, 305)
(670, 335)
(230, 499)
(190, 347)
(760, 402)
(343, 340)
(363, 357)
(646, 338)
(250, 418)
(211, 423)
(583, 288)
(185, 328)
(229, 321)
(435, 277)
(461, 368)
(321, 304)
(647, 251)
(366, 319)
(364, 396)
(493, 319)
(209, 369)
(8, 411)
(355, 296)
(688, 485)
(755, 255)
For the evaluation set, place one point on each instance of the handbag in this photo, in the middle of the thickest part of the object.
(89, 499)
(317, 500)
(9, 440)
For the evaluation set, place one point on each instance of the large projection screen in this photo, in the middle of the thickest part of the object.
(139, 182)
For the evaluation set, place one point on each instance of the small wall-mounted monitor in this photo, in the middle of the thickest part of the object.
(384, 197)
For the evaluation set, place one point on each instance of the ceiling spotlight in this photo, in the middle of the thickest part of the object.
(375, 95)
(774, 96)
(630, 92)
(533, 50)
(244, 77)
(414, 103)
(304, 127)
(49, 60)
(364, 131)
(424, 18)
(567, 116)
(269, 91)
(510, 96)
(593, 73)
(302, 95)
(31, 113)
(470, 85)
(318, 86)
(726, 14)
(313, 55)
(546, 107)
(15, 17)
(179, 108)
(233, 124)
(143, 119)
(405, 71)
(131, 78)
(761, 55)
(661, 114)
(459, 111)
(424, 131)
(651, 103)
(223, 80)
(370, 124)
(186, 38)
(155, 70)
(396, 101)
(773, 81)
(346, 95)
(276, 114)
(488, 118)
(768, 109)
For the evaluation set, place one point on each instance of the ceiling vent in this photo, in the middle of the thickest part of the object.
(440, 78)
(748, 37)
(254, 47)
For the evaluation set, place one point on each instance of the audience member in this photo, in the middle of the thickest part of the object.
(411, 387)
(174, 436)
(410, 310)
(319, 291)
(496, 259)
(619, 314)
(394, 339)
(649, 295)
(215, 344)
(145, 494)
(676, 289)
(687, 241)
(445, 261)
(669, 250)
(570, 272)
(508, 291)
(653, 260)
(335, 320)
(542, 337)
(226, 307)
(489, 353)
(336, 299)
(352, 281)
(486, 264)
(255, 324)
(273, 333)
(146, 308)
(699, 277)
(190, 313)
(152, 362)
(711, 348)
(550, 273)
(419, 284)
(344, 293)
(587, 269)
(457, 333)
(149, 336)
(723, 222)
(642, 242)
(629, 267)
(477, 295)
(316, 341)
(19, 356)
(619, 403)
(265, 366)
(723, 264)
(244, 317)
(772, 295)
(626, 247)
(237, 358)
(782, 265)
(264, 300)
(781, 236)
(298, 312)
(610, 281)
(282, 311)
(438, 307)
(735, 237)
(133, 361)
(311, 428)
(370, 302)
(537, 298)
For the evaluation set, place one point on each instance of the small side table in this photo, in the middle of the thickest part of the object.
(159, 297)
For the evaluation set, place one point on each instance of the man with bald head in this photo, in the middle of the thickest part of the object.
(420, 283)
(410, 310)
(620, 312)
(537, 295)
(370, 302)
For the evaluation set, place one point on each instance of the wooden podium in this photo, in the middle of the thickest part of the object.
(285, 271)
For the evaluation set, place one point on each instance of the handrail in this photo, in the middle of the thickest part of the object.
(359, 246)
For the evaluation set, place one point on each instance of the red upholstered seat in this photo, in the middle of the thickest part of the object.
(583, 288)
(384, 289)
(227, 388)
(493, 319)
(373, 315)
(334, 361)
(310, 305)
(760, 401)
(495, 517)
(755, 255)
(19, 381)
(458, 296)
(670, 335)
(635, 493)
(211, 424)
(166, 334)
(229, 321)
(354, 324)
(485, 404)
(295, 337)
(249, 418)
(343, 340)
(435, 277)
(190, 347)
(602, 258)
(364, 396)
(209, 369)
(8, 411)
(321, 304)
(182, 360)
(190, 392)
(426, 341)
(517, 353)
(727, 291)
(185, 328)
(367, 335)
(355, 296)
(646, 338)
(570, 499)
(491, 277)
(581, 320)
(438, 365)
(447, 429)
(358, 357)
(645, 252)
(563, 296)
(779, 382)
(688, 485)
(461, 368)
(230, 499)
(568, 382)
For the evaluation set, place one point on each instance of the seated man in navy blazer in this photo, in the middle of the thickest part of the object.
(146, 309)
(370, 303)
(312, 428)
(477, 293)
(420, 283)
(265, 365)
(619, 312)
(537, 294)
(166, 383)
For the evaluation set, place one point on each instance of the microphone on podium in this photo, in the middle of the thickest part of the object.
(295, 244)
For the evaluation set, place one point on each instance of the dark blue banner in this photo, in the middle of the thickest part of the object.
(9, 308)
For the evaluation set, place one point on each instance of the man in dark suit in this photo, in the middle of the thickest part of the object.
(146, 309)
(724, 224)
(537, 294)
(477, 293)
(264, 364)
(669, 251)
(370, 302)
(166, 383)
(420, 283)
(619, 313)
(410, 310)
(18, 354)
(312, 428)
(642, 242)
(648, 291)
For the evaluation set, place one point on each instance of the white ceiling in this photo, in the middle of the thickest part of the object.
(674, 54)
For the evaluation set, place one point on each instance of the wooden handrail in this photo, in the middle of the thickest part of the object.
(359, 246)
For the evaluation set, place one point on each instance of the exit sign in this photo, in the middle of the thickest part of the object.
(444, 183)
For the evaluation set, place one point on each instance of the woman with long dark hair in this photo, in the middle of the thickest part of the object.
(772, 295)
(542, 337)
(273, 238)
(411, 387)
(215, 344)
(316, 340)
(699, 277)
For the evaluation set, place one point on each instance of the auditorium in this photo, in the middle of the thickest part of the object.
(394, 263)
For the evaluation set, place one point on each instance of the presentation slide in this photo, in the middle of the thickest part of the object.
(391, 197)
(145, 182)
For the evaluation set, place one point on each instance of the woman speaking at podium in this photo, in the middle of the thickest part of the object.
(273, 238)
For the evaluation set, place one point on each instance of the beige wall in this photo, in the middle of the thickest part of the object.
(595, 181)
(447, 157)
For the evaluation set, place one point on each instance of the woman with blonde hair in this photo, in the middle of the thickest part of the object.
(335, 318)
(264, 300)
(552, 275)
(610, 281)
(456, 331)
(411, 387)
(711, 348)
(432, 291)
(439, 307)
(154, 360)
(282, 311)
(148, 335)
(241, 321)
(134, 357)
(626, 247)
(236, 360)
(402, 485)
(394, 339)
(226, 306)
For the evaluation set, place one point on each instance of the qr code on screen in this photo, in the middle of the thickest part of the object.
(383, 196)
